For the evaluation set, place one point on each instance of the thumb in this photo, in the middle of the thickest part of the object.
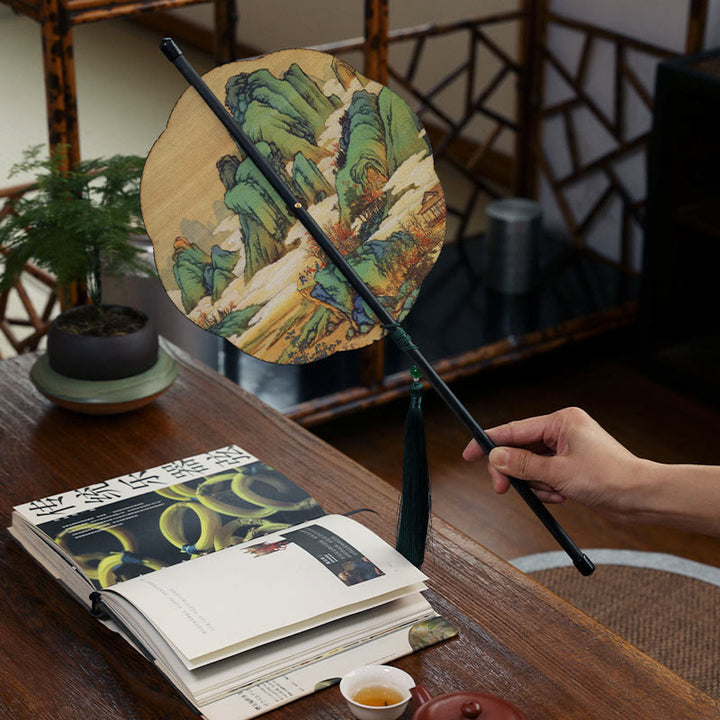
(519, 463)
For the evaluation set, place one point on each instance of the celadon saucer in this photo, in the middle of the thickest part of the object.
(104, 397)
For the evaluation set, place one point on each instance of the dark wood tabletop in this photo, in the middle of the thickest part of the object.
(516, 639)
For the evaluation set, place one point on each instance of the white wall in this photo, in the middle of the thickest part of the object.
(276, 24)
(125, 89)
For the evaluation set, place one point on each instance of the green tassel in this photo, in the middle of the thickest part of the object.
(414, 513)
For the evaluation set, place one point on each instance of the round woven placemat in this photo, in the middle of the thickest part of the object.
(673, 617)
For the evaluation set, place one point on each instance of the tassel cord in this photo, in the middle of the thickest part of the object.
(415, 502)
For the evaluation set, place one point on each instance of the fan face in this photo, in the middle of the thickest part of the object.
(234, 259)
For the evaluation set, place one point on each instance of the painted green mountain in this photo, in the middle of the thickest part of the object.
(285, 117)
(310, 184)
(264, 218)
(199, 274)
(380, 133)
(374, 261)
(235, 323)
(289, 112)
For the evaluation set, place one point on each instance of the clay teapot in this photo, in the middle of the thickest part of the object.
(462, 706)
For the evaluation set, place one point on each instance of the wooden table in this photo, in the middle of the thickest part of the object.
(516, 639)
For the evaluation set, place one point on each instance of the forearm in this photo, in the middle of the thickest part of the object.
(680, 496)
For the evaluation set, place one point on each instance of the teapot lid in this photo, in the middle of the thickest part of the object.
(468, 706)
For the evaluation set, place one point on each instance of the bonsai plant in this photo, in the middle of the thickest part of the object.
(77, 223)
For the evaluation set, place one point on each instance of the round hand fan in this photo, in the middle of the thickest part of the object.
(230, 253)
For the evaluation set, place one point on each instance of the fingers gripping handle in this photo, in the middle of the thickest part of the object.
(579, 559)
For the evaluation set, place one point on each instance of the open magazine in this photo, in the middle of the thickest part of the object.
(231, 579)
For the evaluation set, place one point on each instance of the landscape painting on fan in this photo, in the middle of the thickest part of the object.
(353, 153)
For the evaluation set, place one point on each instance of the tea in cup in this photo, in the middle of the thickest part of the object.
(377, 692)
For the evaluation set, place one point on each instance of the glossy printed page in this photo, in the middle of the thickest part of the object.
(231, 601)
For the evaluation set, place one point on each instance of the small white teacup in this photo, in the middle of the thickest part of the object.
(377, 692)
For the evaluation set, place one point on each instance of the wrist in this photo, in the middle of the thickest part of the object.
(681, 496)
(638, 490)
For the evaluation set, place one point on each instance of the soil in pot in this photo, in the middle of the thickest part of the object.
(108, 342)
(103, 321)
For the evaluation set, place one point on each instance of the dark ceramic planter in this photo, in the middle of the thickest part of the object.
(75, 352)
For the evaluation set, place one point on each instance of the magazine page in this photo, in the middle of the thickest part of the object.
(134, 524)
(272, 692)
(217, 680)
(253, 593)
(312, 646)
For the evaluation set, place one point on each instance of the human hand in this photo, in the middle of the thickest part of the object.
(564, 455)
